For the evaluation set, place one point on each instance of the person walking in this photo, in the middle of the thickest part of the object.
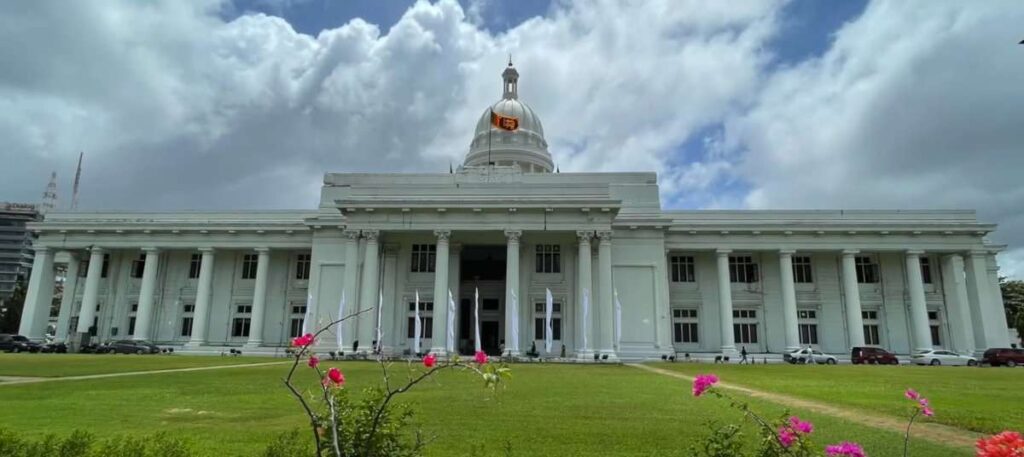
(743, 355)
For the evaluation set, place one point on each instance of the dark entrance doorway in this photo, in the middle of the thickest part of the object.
(482, 268)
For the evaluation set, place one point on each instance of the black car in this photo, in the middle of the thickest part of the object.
(132, 347)
(17, 343)
(56, 348)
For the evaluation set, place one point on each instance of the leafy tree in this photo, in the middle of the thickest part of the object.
(1013, 302)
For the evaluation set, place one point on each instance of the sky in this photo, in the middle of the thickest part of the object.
(762, 104)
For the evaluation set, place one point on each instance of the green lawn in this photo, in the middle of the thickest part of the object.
(986, 400)
(545, 409)
(60, 365)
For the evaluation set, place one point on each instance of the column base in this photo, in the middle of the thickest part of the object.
(729, 351)
(585, 355)
(194, 344)
(253, 344)
(608, 355)
(439, 352)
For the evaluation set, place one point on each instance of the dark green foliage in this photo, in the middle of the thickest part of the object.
(355, 422)
(83, 444)
(724, 441)
(290, 444)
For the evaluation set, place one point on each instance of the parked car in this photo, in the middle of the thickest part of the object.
(18, 343)
(809, 355)
(941, 357)
(57, 348)
(1003, 356)
(132, 347)
(873, 355)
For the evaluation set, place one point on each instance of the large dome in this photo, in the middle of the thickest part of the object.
(522, 145)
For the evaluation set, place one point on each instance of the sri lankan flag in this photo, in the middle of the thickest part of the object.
(504, 122)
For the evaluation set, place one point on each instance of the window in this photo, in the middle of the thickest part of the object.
(933, 325)
(243, 318)
(194, 265)
(138, 266)
(131, 325)
(297, 319)
(871, 336)
(249, 263)
(926, 270)
(744, 326)
(106, 265)
(549, 258)
(802, 270)
(807, 321)
(83, 268)
(186, 320)
(682, 268)
(867, 270)
(302, 263)
(684, 326)
(742, 269)
(556, 321)
(426, 320)
(424, 257)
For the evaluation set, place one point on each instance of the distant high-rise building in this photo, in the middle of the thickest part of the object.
(15, 244)
(50, 196)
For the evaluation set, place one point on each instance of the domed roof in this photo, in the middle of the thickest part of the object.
(521, 140)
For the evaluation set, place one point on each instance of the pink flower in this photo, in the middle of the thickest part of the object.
(845, 449)
(430, 360)
(927, 411)
(303, 341)
(1006, 444)
(912, 394)
(801, 426)
(786, 437)
(702, 383)
(480, 357)
(313, 361)
(923, 402)
(335, 376)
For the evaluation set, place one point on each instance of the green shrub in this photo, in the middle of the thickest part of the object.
(83, 444)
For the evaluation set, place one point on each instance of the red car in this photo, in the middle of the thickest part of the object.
(873, 356)
(1003, 356)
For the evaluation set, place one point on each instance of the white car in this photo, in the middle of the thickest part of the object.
(941, 357)
(808, 355)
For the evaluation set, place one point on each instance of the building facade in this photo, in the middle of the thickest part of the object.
(507, 229)
(15, 244)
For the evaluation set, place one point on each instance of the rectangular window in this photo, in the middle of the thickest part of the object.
(867, 270)
(684, 326)
(424, 258)
(744, 326)
(549, 258)
(194, 265)
(933, 325)
(83, 268)
(926, 270)
(240, 327)
(807, 326)
(302, 264)
(298, 316)
(871, 335)
(138, 266)
(106, 265)
(186, 319)
(682, 268)
(131, 325)
(296, 327)
(426, 320)
(556, 321)
(802, 270)
(742, 269)
(249, 263)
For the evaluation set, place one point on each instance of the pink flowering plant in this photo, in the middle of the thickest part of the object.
(342, 425)
(921, 408)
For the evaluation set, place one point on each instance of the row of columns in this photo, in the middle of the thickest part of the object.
(969, 300)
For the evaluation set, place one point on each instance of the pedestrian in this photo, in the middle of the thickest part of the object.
(743, 355)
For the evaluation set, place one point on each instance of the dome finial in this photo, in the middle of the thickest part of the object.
(511, 78)
(510, 59)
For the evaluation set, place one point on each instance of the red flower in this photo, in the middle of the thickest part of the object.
(480, 357)
(335, 376)
(313, 361)
(303, 341)
(430, 360)
(1006, 444)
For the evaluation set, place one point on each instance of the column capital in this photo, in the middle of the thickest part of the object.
(206, 250)
(914, 252)
(96, 250)
(977, 252)
(605, 236)
(262, 250)
(953, 255)
(72, 253)
(443, 235)
(150, 250)
(41, 249)
(350, 234)
(584, 236)
(513, 235)
(787, 252)
(851, 251)
(723, 251)
(371, 235)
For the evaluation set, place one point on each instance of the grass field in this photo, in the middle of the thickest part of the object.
(986, 400)
(61, 365)
(545, 410)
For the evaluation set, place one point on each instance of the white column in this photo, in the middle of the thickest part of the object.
(259, 298)
(725, 302)
(391, 335)
(439, 338)
(36, 310)
(921, 333)
(584, 282)
(789, 313)
(512, 284)
(954, 288)
(371, 278)
(67, 302)
(351, 288)
(144, 315)
(90, 296)
(988, 318)
(851, 292)
(606, 327)
(200, 319)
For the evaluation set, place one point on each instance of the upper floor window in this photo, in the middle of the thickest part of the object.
(742, 269)
(193, 266)
(549, 258)
(802, 273)
(424, 256)
(138, 266)
(867, 270)
(926, 270)
(249, 263)
(682, 268)
(302, 263)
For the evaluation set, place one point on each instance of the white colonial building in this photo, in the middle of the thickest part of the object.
(505, 224)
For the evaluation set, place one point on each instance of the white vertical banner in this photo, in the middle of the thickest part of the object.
(618, 319)
(476, 319)
(548, 305)
(450, 343)
(338, 328)
(586, 317)
(417, 326)
(309, 314)
(514, 337)
(380, 306)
